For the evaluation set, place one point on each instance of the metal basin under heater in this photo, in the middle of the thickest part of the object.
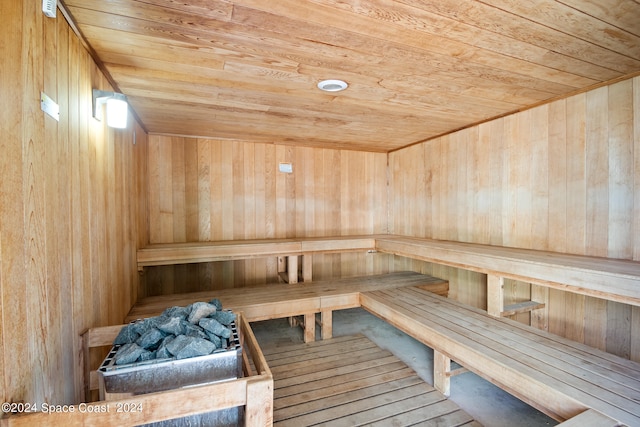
(167, 374)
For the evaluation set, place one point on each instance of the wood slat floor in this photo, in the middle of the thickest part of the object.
(349, 381)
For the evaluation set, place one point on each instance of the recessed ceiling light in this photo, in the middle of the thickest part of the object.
(332, 85)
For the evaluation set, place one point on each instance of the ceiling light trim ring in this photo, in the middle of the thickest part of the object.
(332, 85)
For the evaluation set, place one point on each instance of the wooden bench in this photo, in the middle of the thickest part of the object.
(287, 300)
(611, 279)
(288, 252)
(557, 376)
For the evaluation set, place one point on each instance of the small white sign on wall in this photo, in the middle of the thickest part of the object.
(286, 167)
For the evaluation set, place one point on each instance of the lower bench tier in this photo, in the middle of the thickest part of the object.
(557, 376)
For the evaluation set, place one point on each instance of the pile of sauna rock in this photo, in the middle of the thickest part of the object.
(178, 333)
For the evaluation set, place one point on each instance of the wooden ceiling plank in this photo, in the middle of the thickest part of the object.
(371, 111)
(508, 43)
(204, 111)
(363, 112)
(492, 18)
(246, 70)
(411, 100)
(152, 29)
(565, 19)
(328, 22)
(184, 13)
(621, 14)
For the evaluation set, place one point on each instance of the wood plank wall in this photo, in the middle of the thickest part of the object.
(68, 210)
(563, 177)
(203, 189)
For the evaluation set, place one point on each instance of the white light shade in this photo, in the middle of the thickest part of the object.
(332, 85)
(117, 110)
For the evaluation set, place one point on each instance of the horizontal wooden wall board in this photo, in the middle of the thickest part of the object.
(564, 177)
(70, 204)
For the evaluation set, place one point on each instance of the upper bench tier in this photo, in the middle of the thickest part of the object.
(612, 279)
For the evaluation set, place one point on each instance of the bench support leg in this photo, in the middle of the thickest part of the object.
(307, 268)
(441, 373)
(326, 322)
(309, 327)
(292, 269)
(495, 295)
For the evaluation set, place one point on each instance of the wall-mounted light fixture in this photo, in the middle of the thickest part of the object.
(116, 106)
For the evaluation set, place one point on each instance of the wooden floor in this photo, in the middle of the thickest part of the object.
(349, 381)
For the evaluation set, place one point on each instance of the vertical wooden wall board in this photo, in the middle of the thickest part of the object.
(393, 196)
(33, 121)
(259, 217)
(112, 274)
(462, 199)
(141, 175)
(621, 168)
(74, 297)
(226, 231)
(248, 190)
(522, 173)
(83, 309)
(480, 154)
(12, 237)
(154, 193)
(556, 312)
(635, 339)
(237, 178)
(207, 189)
(540, 165)
(595, 323)
(597, 172)
(191, 183)
(248, 196)
(497, 179)
(63, 321)
(281, 194)
(636, 156)
(418, 187)
(380, 189)
(323, 192)
(576, 174)
(270, 197)
(557, 178)
(290, 197)
(618, 332)
(179, 200)
(345, 195)
(430, 187)
(96, 221)
(510, 206)
(442, 201)
(573, 316)
(312, 192)
(164, 179)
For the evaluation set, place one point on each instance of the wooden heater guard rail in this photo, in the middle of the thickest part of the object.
(254, 392)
